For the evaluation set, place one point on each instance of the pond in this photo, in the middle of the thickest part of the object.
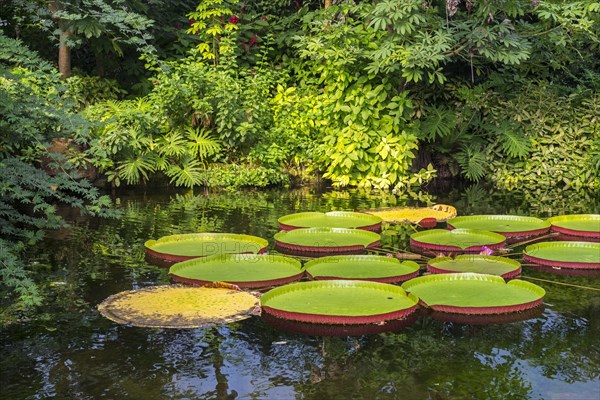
(68, 351)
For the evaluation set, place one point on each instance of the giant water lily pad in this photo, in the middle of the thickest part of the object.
(243, 270)
(174, 306)
(325, 241)
(491, 265)
(457, 240)
(175, 248)
(582, 225)
(332, 219)
(469, 293)
(414, 215)
(565, 254)
(506, 225)
(338, 302)
(362, 267)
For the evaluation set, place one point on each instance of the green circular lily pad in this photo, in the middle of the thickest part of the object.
(577, 224)
(187, 246)
(456, 240)
(338, 302)
(332, 219)
(243, 270)
(362, 267)
(491, 265)
(325, 241)
(565, 254)
(507, 225)
(469, 293)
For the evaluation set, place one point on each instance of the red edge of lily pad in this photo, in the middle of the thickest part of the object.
(242, 284)
(562, 264)
(387, 279)
(299, 250)
(516, 234)
(488, 319)
(371, 228)
(166, 260)
(574, 232)
(338, 319)
(507, 275)
(429, 247)
(484, 310)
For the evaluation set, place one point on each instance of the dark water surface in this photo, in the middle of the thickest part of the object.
(68, 351)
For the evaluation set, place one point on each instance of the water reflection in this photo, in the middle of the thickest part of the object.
(68, 351)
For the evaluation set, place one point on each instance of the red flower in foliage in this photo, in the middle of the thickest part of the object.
(234, 20)
(264, 17)
(252, 41)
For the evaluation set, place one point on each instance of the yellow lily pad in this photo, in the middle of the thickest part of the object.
(176, 306)
(413, 215)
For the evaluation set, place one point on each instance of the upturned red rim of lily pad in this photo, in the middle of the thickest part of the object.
(323, 329)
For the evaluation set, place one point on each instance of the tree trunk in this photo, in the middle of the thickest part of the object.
(64, 51)
(64, 56)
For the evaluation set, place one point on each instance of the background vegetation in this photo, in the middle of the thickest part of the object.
(380, 95)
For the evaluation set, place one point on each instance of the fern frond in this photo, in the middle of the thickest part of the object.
(188, 173)
(438, 122)
(472, 162)
(132, 170)
(201, 144)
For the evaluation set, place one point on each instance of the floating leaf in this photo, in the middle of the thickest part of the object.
(506, 225)
(469, 293)
(174, 306)
(338, 302)
(362, 267)
(412, 215)
(332, 219)
(243, 270)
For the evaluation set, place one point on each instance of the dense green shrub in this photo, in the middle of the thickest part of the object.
(564, 132)
(34, 182)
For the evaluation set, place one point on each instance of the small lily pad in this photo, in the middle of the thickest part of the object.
(362, 267)
(332, 219)
(457, 240)
(506, 225)
(565, 254)
(243, 270)
(325, 241)
(491, 265)
(469, 293)
(175, 248)
(582, 225)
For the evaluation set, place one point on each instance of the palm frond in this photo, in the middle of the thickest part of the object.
(172, 144)
(133, 169)
(438, 122)
(201, 143)
(187, 173)
(472, 162)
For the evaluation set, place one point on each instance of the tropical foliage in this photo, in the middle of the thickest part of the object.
(382, 94)
(35, 182)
